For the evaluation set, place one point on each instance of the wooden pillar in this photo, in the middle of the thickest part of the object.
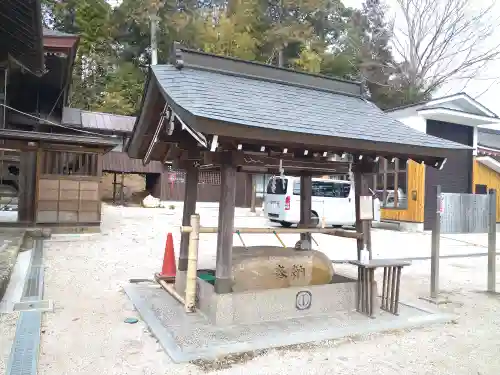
(190, 197)
(253, 197)
(27, 186)
(361, 170)
(305, 208)
(223, 282)
(122, 193)
(250, 187)
(114, 187)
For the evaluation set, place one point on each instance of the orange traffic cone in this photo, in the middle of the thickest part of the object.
(168, 269)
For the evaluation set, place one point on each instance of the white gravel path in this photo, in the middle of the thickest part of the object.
(86, 333)
(7, 333)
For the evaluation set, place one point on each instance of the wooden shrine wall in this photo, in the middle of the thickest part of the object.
(68, 188)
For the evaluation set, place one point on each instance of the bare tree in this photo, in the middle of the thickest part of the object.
(439, 41)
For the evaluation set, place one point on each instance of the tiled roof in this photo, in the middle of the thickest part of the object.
(266, 104)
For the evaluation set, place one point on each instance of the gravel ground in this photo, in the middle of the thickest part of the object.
(86, 333)
(7, 332)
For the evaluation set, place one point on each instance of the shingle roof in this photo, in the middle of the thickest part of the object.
(98, 120)
(56, 33)
(489, 138)
(107, 121)
(279, 106)
(21, 33)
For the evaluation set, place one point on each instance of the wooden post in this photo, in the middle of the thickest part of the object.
(492, 241)
(367, 236)
(114, 188)
(436, 233)
(223, 277)
(122, 193)
(362, 188)
(254, 193)
(189, 209)
(27, 186)
(359, 224)
(305, 207)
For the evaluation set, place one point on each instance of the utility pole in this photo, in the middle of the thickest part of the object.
(281, 58)
(154, 43)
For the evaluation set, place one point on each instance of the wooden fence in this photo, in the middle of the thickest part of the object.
(464, 213)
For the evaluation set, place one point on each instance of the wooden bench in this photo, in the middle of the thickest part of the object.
(365, 296)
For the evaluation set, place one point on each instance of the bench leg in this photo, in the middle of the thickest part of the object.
(365, 298)
(371, 283)
(383, 305)
(398, 285)
(393, 288)
(390, 289)
(359, 289)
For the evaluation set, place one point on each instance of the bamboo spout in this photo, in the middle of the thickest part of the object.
(170, 289)
(192, 268)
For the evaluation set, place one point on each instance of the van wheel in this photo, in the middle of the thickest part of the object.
(285, 224)
(314, 220)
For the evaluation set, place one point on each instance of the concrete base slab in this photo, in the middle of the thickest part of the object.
(188, 337)
(15, 287)
(10, 243)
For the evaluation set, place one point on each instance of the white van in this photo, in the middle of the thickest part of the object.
(332, 200)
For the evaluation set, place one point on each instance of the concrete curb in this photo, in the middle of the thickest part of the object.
(8, 257)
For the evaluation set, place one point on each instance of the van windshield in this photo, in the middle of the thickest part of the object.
(277, 186)
(327, 189)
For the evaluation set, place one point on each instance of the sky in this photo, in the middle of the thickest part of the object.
(485, 89)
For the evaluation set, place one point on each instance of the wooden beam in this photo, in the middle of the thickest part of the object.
(272, 163)
(223, 277)
(15, 145)
(173, 153)
(183, 159)
(27, 186)
(256, 135)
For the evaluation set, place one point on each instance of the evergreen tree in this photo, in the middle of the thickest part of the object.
(318, 36)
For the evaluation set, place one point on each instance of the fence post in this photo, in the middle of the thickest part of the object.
(436, 232)
(253, 198)
(492, 240)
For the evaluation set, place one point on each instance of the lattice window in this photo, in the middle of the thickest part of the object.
(391, 182)
(64, 163)
(212, 178)
(205, 177)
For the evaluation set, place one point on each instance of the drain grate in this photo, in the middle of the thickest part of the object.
(24, 353)
(33, 286)
(23, 358)
(37, 255)
(45, 305)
